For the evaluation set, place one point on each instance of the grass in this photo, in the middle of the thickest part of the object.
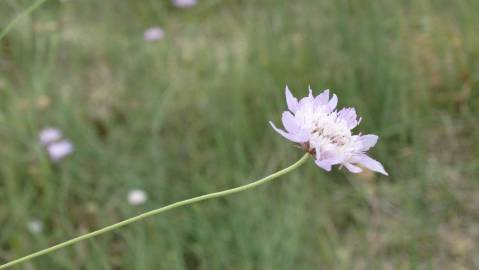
(188, 115)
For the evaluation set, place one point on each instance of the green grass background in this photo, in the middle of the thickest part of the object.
(188, 115)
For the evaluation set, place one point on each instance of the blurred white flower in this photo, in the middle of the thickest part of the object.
(184, 3)
(58, 150)
(49, 135)
(154, 33)
(35, 226)
(137, 197)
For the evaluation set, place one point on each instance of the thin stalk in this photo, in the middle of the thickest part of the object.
(27, 11)
(158, 211)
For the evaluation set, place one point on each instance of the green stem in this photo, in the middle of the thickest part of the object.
(27, 11)
(159, 210)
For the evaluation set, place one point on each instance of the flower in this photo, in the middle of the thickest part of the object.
(153, 33)
(49, 135)
(58, 150)
(35, 226)
(314, 123)
(184, 3)
(137, 197)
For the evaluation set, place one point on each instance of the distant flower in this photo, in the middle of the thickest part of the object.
(137, 197)
(153, 34)
(320, 129)
(59, 150)
(35, 226)
(49, 135)
(57, 147)
(184, 3)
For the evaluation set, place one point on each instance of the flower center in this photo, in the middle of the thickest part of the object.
(330, 133)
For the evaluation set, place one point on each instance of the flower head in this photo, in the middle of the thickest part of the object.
(57, 147)
(49, 135)
(154, 33)
(58, 150)
(137, 197)
(184, 3)
(35, 226)
(314, 123)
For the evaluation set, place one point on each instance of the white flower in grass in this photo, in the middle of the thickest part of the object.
(137, 197)
(49, 135)
(35, 226)
(153, 34)
(59, 150)
(314, 123)
(184, 3)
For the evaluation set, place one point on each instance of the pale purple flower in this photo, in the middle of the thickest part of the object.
(314, 123)
(154, 33)
(49, 135)
(59, 150)
(137, 197)
(184, 3)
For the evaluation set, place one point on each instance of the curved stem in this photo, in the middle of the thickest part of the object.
(159, 210)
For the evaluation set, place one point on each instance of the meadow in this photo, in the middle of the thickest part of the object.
(188, 114)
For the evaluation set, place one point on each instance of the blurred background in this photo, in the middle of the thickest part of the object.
(112, 108)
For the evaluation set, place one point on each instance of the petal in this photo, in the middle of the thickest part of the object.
(308, 100)
(368, 141)
(321, 99)
(319, 155)
(333, 103)
(324, 165)
(372, 164)
(291, 101)
(289, 122)
(328, 159)
(302, 136)
(280, 131)
(299, 137)
(349, 115)
(352, 168)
